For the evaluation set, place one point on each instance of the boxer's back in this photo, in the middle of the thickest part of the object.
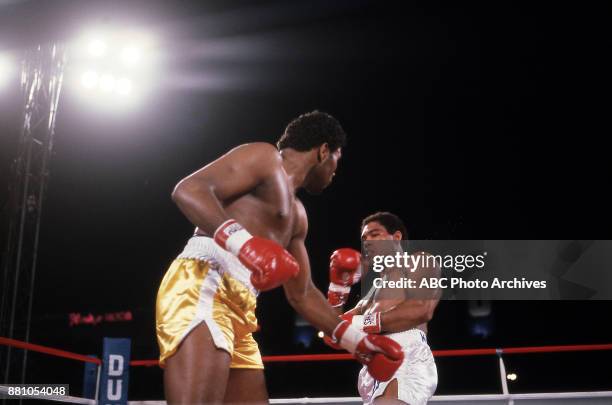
(270, 208)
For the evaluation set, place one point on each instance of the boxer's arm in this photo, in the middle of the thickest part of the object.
(414, 311)
(199, 196)
(356, 310)
(301, 292)
(407, 315)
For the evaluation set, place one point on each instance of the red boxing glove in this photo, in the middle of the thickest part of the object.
(348, 316)
(344, 271)
(329, 341)
(270, 264)
(337, 296)
(382, 355)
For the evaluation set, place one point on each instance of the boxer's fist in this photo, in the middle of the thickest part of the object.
(344, 271)
(270, 264)
(337, 296)
(348, 316)
(382, 355)
(344, 267)
(329, 341)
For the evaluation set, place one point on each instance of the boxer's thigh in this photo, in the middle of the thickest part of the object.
(390, 395)
(415, 381)
(246, 383)
(197, 372)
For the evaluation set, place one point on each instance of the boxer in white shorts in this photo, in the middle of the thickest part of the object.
(390, 312)
(416, 379)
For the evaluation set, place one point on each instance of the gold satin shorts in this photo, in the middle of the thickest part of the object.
(200, 289)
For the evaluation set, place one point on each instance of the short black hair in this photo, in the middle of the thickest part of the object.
(391, 222)
(311, 130)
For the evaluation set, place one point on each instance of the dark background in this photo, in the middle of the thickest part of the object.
(470, 121)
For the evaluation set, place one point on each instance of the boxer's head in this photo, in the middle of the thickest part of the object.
(382, 226)
(320, 136)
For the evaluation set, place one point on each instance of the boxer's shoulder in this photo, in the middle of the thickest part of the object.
(300, 222)
(264, 154)
(262, 148)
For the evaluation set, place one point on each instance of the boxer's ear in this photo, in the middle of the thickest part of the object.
(323, 152)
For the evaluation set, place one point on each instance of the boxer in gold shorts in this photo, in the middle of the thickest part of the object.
(250, 232)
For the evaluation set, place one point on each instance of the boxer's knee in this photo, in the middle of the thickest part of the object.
(246, 386)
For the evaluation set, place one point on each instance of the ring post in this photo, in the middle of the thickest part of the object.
(115, 372)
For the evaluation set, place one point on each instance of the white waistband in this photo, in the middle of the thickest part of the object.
(205, 248)
(409, 337)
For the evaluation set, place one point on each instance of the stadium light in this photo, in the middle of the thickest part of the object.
(97, 47)
(112, 65)
(131, 55)
(90, 79)
(107, 83)
(7, 69)
(123, 86)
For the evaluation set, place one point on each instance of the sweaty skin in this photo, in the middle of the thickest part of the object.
(255, 184)
(399, 311)
(248, 184)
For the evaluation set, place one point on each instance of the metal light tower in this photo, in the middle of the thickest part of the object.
(41, 82)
